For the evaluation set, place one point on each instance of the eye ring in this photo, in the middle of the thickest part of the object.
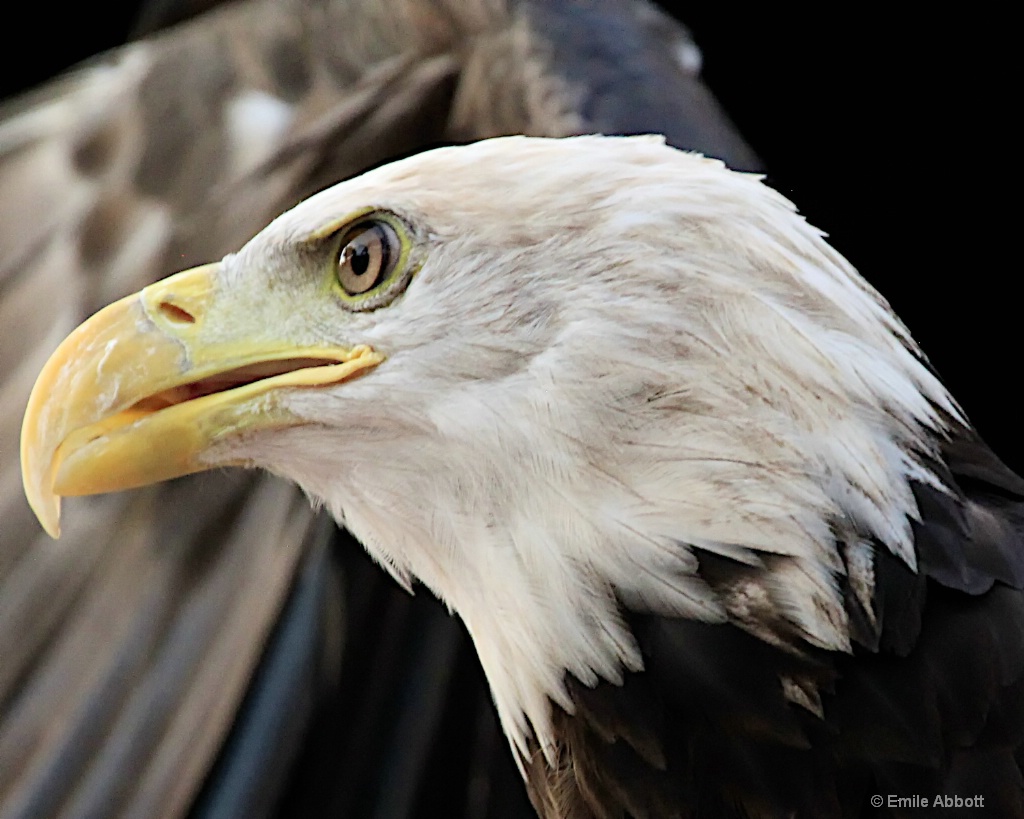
(367, 258)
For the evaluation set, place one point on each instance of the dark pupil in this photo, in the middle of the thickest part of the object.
(360, 259)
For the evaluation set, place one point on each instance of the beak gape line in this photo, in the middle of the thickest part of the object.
(143, 390)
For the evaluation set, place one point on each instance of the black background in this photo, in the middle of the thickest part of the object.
(891, 133)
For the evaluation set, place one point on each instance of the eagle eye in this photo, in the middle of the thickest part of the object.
(368, 257)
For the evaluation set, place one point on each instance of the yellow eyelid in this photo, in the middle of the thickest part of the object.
(339, 230)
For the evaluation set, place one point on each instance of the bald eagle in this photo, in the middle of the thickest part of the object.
(724, 543)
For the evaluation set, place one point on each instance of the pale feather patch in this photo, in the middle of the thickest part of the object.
(256, 124)
(803, 693)
(860, 570)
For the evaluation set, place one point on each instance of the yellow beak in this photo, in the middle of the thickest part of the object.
(141, 391)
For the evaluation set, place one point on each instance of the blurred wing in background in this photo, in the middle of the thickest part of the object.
(207, 646)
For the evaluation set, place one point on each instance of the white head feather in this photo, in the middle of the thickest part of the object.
(613, 352)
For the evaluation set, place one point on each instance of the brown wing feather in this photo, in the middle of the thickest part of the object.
(128, 645)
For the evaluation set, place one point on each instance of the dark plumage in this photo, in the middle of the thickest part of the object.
(930, 702)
